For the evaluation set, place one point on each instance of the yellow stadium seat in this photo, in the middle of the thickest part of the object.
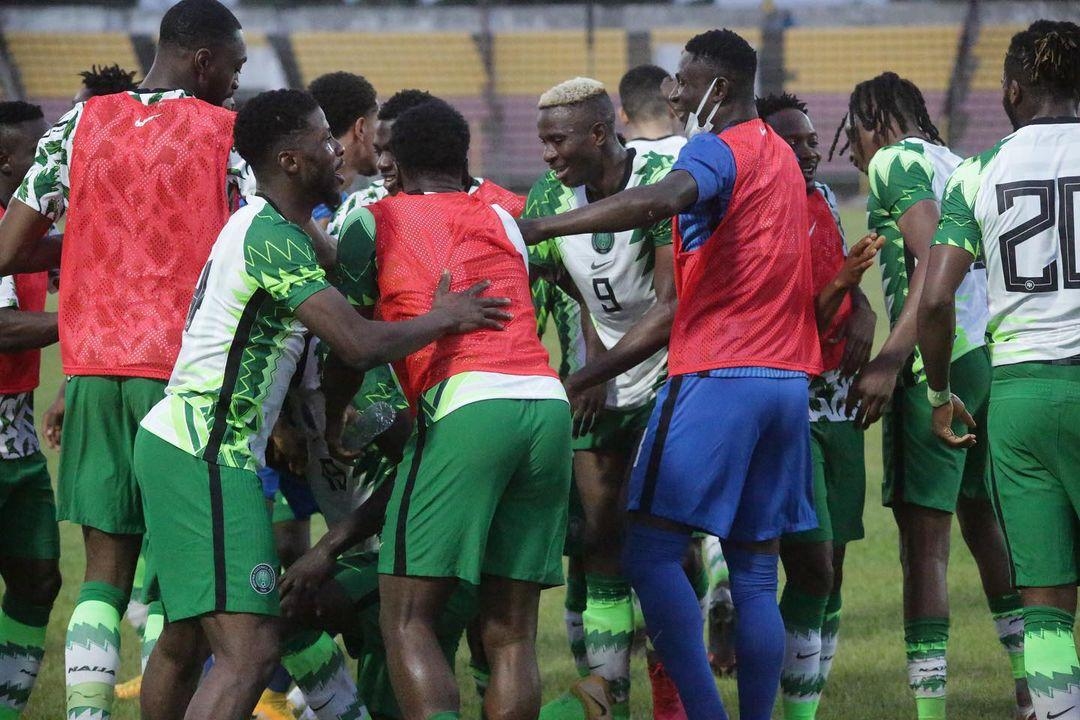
(679, 35)
(49, 63)
(442, 63)
(528, 63)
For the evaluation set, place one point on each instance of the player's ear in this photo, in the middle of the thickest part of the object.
(599, 133)
(289, 161)
(202, 59)
(622, 116)
(721, 89)
(361, 128)
(1014, 94)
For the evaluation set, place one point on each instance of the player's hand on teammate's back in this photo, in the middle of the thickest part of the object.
(52, 422)
(586, 404)
(859, 259)
(859, 333)
(469, 311)
(941, 422)
(872, 391)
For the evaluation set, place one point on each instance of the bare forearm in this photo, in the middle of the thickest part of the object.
(362, 523)
(389, 341)
(23, 330)
(827, 302)
(637, 207)
(641, 342)
(937, 320)
(24, 245)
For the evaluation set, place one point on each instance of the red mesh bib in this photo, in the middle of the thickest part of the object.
(148, 199)
(745, 296)
(827, 253)
(417, 237)
(491, 194)
(20, 371)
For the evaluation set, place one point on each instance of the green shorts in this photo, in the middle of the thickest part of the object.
(616, 431)
(209, 535)
(839, 483)
(1035, 455)
(919, 468)
(483, 491)
(27, 510)
(358, 575)
(96, 487)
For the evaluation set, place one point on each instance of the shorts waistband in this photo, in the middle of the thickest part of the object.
(751, 372)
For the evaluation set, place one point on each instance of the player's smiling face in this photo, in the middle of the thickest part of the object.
(571, 143)
(795, 127)
(321, 159)
(692, 81)
(384, 159)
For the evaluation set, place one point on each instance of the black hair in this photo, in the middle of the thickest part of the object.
(774, 103)
(402, 101)
(344, 97)
(640, 94)
(107, 80)
(15, 112)
(432, 136)
(194, 24)
(267, 119)
(729, 54)
(887, 100)
(1046, 58)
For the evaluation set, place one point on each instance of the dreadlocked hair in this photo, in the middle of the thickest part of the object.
(1046, 57)
(108, 79)
(774, 103)
(886, 100)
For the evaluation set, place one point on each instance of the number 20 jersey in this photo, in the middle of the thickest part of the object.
(1016, 205)
(612, 271)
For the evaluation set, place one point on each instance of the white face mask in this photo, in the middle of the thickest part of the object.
(693, 127)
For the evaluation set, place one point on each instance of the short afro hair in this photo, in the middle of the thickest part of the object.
(640, 94)
(729, 55)
(774, 103)
(584, 93)
(402, 101)
(268, 119)
(107, 80)
(432, 136)
(16, 112)
(194, 24)
(344, 98)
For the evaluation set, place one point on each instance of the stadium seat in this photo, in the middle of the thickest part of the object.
(49, 63)
(531, 62)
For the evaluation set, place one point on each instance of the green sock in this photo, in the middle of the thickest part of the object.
(22, 645)
(609, 631)
(830, 638)
(92, 651)
(1008, 614)
(926, 640)
(155, 623)
(564, 707)
(800, 678)
(447, 715)
(317, 665)
(576, 602)
(1053, 671)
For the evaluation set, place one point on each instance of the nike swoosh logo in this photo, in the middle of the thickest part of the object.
(317, 709)
(595, 266)
(140, 123)
(800, 656)
(595, 667)
(1051, 716)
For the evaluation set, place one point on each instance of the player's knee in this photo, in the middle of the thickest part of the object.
(41, 589)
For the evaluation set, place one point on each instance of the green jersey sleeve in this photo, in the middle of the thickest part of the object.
(283, 263)
(900, 176)
(958, 226)
(355, 269)
(46, 185)
(653, 169)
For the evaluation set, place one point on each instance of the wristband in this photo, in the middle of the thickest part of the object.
(938, 398)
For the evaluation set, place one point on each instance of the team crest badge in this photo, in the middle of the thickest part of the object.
(263, 579)
(602, 242)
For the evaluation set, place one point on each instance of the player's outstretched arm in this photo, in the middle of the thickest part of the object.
(946, 267)
(875, 384)
(25, 330)
(24, 243)
(645, 338)
(364, 343)
(637, 207)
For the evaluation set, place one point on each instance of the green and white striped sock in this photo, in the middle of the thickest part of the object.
(92, 652)
(317, 665)
(927, 640)
(22, 645)
(1053, 671)
(609, 631)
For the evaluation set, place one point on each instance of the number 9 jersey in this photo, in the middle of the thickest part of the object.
(612, 271)
(1016, 206)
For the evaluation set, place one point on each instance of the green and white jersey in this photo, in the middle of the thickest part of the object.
(242, 341)
(551, 302)
(1016, 206)
(667, 145)
(901, 175)
(373, 193)
(612, 271)
(47, 185)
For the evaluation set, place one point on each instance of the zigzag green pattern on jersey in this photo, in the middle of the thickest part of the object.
(654, 167)
(958, 202)
(548, 197)
(379, 385)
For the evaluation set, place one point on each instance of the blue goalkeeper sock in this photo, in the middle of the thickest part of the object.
(759, 634)
(653, 562)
